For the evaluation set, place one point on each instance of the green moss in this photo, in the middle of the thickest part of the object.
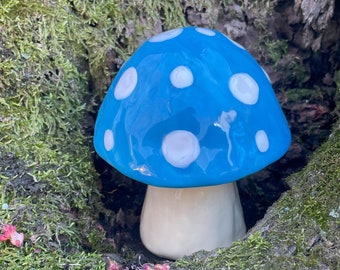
(275, 50)
(13, 259)
(309, 95)
(270, 51)
(232, 258)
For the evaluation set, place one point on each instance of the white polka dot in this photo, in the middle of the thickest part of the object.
(244, 88)
(262, 141)
(108, 140)
(180, 148)
(166, 35)
(126, 84)
(205, 31)
(181, 77)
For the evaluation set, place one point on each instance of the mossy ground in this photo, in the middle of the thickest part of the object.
(55, 65)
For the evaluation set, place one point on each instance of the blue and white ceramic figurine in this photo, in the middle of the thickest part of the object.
(188, 114)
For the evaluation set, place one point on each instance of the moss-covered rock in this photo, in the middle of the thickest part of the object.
(47, 178)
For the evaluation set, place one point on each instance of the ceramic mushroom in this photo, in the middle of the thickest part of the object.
(188, 114)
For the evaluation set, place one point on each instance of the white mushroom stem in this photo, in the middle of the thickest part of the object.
(177, 222)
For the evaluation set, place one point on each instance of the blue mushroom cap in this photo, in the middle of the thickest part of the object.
(190, 108)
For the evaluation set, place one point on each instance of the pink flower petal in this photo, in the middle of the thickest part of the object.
(10, 233)
(164, 266)
(3, 238)
(8, 230)
(17, 239)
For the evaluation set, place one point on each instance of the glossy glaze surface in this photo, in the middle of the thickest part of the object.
(190, 108)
